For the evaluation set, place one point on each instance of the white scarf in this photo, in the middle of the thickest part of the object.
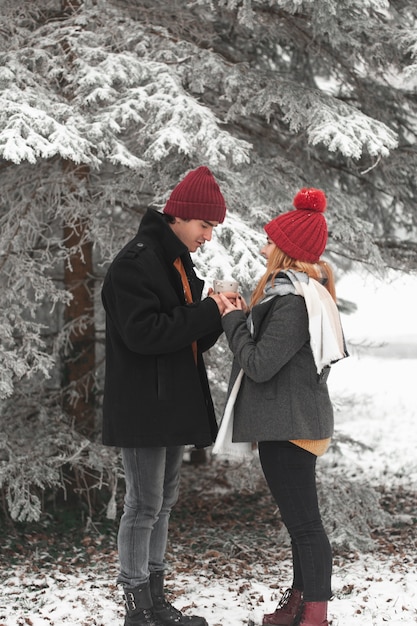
(224, 447)
(326, 334)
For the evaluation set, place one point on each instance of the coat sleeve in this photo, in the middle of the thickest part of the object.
(147, 313)
(282, 334)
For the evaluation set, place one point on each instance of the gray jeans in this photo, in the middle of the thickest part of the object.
(152, 478)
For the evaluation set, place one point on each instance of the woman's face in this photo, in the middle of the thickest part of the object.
(268, 248)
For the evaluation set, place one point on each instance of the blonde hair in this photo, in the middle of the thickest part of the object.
(279, 261)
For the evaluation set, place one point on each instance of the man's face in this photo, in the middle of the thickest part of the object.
(193, 233)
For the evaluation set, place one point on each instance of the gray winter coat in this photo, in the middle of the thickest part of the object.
(281, 395)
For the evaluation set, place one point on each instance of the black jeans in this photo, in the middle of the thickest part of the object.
(290, 473)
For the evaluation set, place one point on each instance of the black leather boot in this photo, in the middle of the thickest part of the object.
(164, 611)
(139, 610)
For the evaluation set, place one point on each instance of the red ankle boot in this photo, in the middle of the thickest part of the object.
(314, 614)
(287, 609)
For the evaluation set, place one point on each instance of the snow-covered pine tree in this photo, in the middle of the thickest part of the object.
(104, 105)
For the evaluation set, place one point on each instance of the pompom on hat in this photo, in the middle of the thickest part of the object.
(197, 197)
(302, 234)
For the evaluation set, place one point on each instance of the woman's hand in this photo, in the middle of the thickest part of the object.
(220, 299)
(235, 303)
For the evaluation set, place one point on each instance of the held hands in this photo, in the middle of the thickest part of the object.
(218, 300)
(237, 303)
(228, 301)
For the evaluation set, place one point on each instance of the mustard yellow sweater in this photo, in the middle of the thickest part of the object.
(315, 446)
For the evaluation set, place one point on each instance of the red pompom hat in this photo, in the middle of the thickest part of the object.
(302, 234)
(197, 197)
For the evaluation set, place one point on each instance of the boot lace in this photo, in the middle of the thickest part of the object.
(173, 614)
(285, 599)
(150, 618)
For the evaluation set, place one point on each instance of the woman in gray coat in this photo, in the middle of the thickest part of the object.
(283, 351)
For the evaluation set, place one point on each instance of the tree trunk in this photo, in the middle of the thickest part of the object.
(79, 355)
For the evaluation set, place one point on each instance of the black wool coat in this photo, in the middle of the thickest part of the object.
(155, 394)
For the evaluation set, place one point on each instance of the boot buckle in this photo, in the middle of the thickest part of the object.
(130, 601)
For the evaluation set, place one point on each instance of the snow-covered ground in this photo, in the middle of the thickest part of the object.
(370, 589)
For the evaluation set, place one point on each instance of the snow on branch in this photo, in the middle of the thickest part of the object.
(233, 252)
(126, 92)
(350, 132)
(325, 119)
(25, 358)
(28, 133)
(246, 8)
(331, 5)
(36, 453)
(121, 108)
(409, 40)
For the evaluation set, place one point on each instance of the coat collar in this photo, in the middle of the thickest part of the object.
(154, 229)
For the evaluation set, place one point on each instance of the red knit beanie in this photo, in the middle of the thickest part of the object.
(197, 197)
(302, 234)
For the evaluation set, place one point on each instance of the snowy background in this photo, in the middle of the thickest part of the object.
(370, 588)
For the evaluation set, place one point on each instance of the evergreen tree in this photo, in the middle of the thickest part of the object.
(105, 105)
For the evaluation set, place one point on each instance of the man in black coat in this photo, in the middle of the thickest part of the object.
(156, 396)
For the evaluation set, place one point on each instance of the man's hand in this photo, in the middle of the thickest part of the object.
(220, 299)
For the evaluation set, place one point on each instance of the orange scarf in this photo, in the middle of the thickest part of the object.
(178, 264)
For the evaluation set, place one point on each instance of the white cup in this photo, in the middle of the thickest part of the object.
(220, 286)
